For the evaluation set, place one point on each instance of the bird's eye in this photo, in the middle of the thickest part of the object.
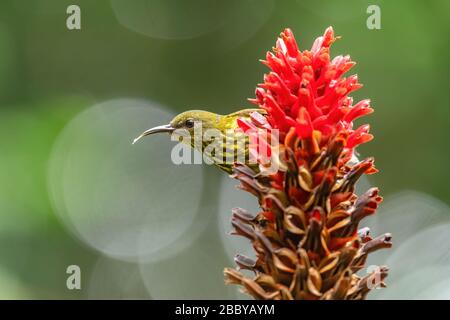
(189, 123)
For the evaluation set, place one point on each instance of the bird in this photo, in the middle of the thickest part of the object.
(226, 125)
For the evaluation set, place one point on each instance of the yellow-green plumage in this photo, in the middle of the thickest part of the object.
(226, 124)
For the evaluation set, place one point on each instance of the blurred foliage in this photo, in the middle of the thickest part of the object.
(48, 74)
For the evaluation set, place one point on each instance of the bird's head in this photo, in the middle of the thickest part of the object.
(187, 121)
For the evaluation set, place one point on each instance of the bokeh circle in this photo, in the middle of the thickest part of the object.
(126, 201)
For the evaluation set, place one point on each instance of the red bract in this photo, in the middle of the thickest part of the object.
(306, 90)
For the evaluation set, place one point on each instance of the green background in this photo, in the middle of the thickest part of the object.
(201, 54)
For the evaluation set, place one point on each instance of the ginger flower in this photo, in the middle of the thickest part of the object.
(307, 239)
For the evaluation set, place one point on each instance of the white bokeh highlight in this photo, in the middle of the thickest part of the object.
(232, 197)
(126, 201)
(231, 22)
(115, 279)
(420, 257)
(194, 273)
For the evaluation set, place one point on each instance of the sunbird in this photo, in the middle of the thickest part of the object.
(225, 124)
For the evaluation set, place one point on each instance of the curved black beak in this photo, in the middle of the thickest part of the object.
(158, 129)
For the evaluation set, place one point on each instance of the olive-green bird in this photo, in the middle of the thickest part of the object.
(208, 120)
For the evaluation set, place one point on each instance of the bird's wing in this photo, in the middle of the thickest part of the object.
(230, 119)
(246, 112)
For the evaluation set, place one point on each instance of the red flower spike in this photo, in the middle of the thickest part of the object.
(311, 80)
(305, 90)
(310, 214)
